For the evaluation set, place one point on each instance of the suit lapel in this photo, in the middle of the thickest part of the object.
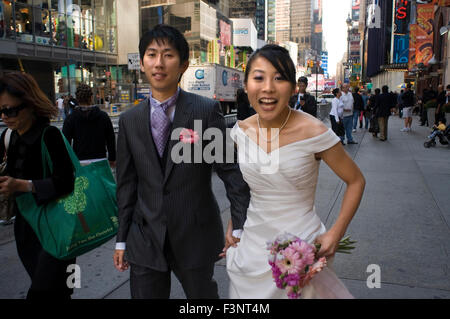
(144, 128)
(183, 112)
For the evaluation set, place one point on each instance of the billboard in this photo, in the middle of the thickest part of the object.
(401, 48)
(402, 14)
(412, 46)
(355, 9)
(312, 82)
(424, 36)
(244, 33)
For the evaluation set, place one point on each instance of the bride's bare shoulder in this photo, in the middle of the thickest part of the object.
(308, 125)
(248, 123)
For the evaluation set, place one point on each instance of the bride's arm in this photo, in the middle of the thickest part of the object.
(344, 167)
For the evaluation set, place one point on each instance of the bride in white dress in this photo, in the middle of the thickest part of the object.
(281, 168)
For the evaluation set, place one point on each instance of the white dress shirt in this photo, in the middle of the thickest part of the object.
(337, 109)
(347, 99)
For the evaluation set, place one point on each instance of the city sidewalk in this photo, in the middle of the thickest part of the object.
(402, 225)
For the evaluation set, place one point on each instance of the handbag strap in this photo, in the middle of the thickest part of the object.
(7, 139)
(46, 159)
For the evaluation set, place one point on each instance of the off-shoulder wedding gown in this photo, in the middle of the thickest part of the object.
(282, 187)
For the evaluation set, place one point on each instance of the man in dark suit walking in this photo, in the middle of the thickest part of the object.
(169, 219)
(303, 100)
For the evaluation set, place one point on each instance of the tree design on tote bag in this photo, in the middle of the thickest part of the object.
(76, 203)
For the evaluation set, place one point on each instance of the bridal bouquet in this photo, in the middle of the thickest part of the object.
(294, 262)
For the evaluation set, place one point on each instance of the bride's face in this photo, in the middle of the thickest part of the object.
(267, 91)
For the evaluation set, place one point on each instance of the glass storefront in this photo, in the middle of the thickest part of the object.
(82, 24)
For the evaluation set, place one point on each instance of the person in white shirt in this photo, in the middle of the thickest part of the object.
(347, 100)
(336, 114)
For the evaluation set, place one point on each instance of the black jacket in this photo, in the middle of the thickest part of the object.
(408, 99)
(358, 104)
(244, 110)
(25, 161)
(310, 104)
(384, 104)
(92, 132)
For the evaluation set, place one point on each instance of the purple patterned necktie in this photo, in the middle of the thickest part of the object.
(161, 125)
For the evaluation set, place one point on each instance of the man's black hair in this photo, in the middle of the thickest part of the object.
(162, 33)
(335, 91)
(280, 59)
(303, 79)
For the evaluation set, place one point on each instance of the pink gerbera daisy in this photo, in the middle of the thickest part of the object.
(291, 263)
(305, 251)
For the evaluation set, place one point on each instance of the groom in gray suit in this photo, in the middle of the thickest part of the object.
(169, 219)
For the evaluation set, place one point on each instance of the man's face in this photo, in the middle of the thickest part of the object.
(301, 87)
(161, 65)
(345, 88)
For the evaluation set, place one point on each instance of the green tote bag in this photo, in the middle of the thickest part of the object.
(81, 221)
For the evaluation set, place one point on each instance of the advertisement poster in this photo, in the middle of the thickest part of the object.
(401, 48)
(424, 33)
(412, 46)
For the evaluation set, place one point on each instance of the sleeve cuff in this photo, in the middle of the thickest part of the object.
(121, 246)
(237, 233)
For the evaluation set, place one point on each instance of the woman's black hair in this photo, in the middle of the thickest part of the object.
(162, 33)
(335, 91)
(279, 58)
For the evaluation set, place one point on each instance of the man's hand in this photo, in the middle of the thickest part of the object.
(229, 240)
(119, 262)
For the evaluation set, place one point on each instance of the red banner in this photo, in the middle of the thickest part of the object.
(412, 46)
(424, 36)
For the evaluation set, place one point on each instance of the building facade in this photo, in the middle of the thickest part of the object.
(253, 9)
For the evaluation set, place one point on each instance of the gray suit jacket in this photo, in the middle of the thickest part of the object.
(178, 201)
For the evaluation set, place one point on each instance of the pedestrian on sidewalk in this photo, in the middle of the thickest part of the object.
(337, 109)
(441, 101)
(400, 103)
(408, 99)
(27, 111)
(303, 100)
(347, 100)
(385, 104)
(244, 109)
(371, 110)
(60, 105)
(365, 96)
(358, 108)
(169, 219)
(90, 130)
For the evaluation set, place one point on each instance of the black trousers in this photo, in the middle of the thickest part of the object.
(147, 283)
(48, 275)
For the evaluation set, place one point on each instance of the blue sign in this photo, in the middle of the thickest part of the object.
(199, 74)
(401, 48)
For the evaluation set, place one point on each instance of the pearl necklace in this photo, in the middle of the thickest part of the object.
(279, 130)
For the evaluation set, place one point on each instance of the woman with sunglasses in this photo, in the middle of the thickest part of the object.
(27, 111)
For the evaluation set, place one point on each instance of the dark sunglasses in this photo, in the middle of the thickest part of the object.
(12, 111)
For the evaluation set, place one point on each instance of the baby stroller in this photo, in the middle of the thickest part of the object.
(444, 138)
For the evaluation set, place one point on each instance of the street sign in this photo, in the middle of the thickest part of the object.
(133, 61)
